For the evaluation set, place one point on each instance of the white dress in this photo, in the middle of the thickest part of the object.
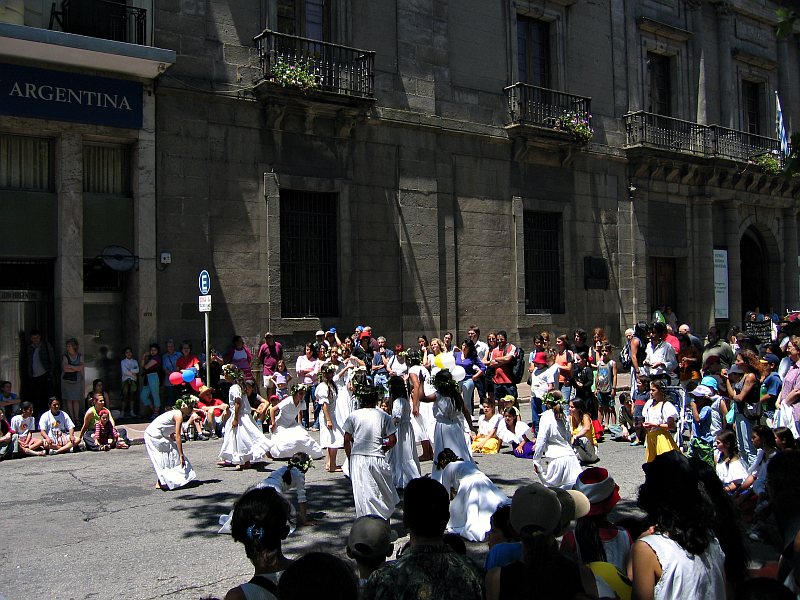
(403, 457)
(448, 432)
(511, 437)
(289, 436)
(163, 452)
(332, 437)
(685, 575)
(425, 416)
(246, 442)
(553, 455)
(476, 500)
(373, 486)
(344, 399)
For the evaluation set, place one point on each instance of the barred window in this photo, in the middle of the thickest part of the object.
(309, 254)
(107, 169)
(543, 286)
(26, 163)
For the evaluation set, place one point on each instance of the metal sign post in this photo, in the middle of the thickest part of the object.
(204, 304)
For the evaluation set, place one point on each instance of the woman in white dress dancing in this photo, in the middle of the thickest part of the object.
(331, 436)
(473, 496)
(403, 457)
(288, 435)
(421, 413)
(162, 439)
(244, 443)
(554, 459)
(451, 417)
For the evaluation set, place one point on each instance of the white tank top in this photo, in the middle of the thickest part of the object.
(686, 576)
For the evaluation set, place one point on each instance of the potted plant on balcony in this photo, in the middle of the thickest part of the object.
(297, 75)
(578, 124)
(770, 163)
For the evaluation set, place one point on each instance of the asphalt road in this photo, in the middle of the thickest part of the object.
(91, 525)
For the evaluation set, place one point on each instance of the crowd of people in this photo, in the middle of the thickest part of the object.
(718, 421)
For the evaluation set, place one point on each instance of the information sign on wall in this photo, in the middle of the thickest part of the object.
(721, 284)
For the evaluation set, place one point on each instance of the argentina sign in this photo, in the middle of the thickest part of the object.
(61, 96)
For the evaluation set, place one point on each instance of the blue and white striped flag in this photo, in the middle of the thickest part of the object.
(780, 128)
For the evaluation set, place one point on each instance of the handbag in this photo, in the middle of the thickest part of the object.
(585, 451)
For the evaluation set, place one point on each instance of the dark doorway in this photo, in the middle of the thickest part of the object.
(662, 282)
(755, 272)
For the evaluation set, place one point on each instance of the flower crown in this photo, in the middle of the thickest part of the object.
(326, 370)
(303, 463)
(298, 387)
(445, 385)
(186, 400)
(232, 371)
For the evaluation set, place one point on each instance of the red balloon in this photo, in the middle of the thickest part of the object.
(196, 384)
(176, 378)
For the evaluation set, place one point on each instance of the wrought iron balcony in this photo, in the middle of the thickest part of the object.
(541, 107)
(104, 19)
(675, 135)
(310, 65)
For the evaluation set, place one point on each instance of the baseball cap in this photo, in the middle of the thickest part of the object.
(370, 537)
(332, 330)
(320, 332)
(574, 505)
(535, 508)
(203, 389)
(770, 358)
(735, 369)
(701, 391)
(710, 381)
(540, 358)
(365, 335)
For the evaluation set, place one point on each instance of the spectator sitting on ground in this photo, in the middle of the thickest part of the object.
(369, 544)
(260, 522)
(429, 569)
(106, 435)
(23, 425)
(57, 429)
(92, 417)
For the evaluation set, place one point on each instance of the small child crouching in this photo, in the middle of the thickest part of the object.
(106, 434)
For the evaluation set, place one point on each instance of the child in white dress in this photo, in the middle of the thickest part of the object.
(162, 440)
(288, 435)
(368, 434)
(244, 442)
(403, 457)
(331, 435)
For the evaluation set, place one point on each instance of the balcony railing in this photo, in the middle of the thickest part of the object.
(333, 68)
(667, 133)
(103, 19)
(541, 107)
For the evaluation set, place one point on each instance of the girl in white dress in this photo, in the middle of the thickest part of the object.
(344, 395)
(368, 434)
(473, 496)
(331, 435)
(421, 412)
(554, 459)
(403, 457)
(164, 447)
(244, 442)
(288, 435)
(451, 416)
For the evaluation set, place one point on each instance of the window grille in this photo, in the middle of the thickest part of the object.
(26, 163)
(107, 170)
(309, 254)
(543, 286)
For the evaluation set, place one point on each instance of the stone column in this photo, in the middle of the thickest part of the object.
(634, 59)
(791, 291)
(141, 315)
(701, 296)
(726, 86)
(698, 59)
(69, 259)
(733, 240)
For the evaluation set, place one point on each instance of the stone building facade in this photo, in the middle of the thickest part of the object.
(409, 164)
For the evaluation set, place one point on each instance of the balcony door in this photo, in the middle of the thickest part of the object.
(533, 51)
(305, 18)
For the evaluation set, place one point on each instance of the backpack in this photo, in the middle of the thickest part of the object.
(625, 357)
(518, 370)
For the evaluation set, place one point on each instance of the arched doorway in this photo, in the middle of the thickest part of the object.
(755, 271)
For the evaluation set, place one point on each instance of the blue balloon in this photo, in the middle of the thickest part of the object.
(188, 375)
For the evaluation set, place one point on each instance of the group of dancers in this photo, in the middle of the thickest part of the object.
(380, 445)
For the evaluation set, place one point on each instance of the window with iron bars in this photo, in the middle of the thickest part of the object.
(309, 254)
(543, 286)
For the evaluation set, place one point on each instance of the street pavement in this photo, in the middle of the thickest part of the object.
(91, 525)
